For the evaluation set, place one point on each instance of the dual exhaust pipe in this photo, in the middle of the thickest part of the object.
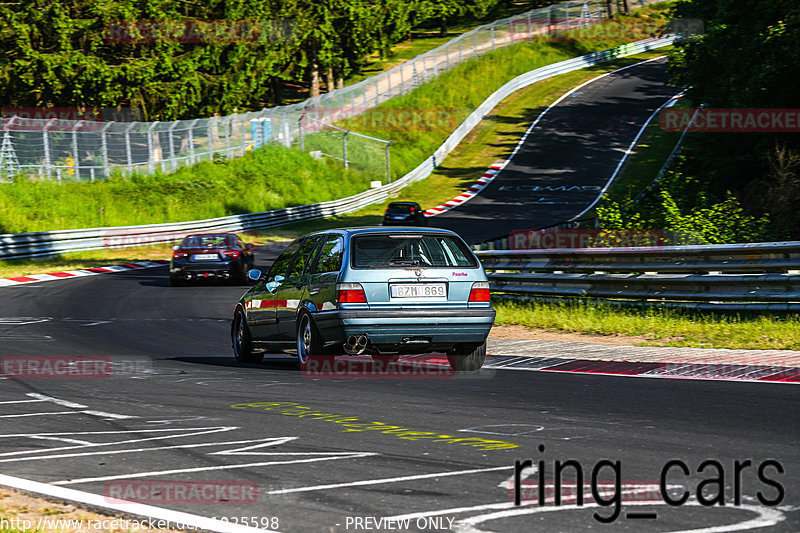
(356, 344)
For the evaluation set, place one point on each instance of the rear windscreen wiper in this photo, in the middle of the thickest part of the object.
(402, 262)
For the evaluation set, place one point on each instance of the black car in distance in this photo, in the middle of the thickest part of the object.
(404, 214)
(210, 256)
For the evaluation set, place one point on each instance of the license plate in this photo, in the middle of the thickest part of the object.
(205, 257)
(419, 290)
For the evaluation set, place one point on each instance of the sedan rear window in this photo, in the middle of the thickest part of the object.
(393, 251)
(208, 241)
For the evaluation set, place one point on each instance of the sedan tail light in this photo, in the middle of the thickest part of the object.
(479, 292)
(350, 293)
(232, 253)
(179, 255)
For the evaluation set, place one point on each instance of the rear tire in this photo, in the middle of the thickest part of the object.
(175, 281)
(242, 341)
(468, 362)
(309, 344)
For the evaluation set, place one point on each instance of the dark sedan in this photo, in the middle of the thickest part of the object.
(404, 214)
(211, 256)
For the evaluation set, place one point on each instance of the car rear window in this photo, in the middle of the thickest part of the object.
(208, 241)
(400, 208)
(397, 251)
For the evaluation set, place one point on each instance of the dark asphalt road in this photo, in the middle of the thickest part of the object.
(171, 419)
(567, 159)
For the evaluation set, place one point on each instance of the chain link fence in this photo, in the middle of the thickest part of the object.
(86, 150)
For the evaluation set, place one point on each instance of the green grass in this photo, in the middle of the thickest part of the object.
(268, 178)
(661, 327)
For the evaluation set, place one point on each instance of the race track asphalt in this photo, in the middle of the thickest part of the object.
(165, 414)
(567, 159)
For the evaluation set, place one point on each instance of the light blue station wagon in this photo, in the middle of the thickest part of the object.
(379, 291)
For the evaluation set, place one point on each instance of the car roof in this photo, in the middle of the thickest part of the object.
(211, 235)
(384, 229)
(403, 203)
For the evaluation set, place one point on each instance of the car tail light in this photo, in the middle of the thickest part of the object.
(350, 293)
(179, 255)
(413, 209)
(232, 253)
(479, 292)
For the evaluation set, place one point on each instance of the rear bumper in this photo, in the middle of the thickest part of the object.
(215, 269)
(407, 328)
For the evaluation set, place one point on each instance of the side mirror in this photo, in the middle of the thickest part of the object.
(176, 247)
(254, 274)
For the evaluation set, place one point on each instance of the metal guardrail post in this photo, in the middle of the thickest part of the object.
(191, 140)
(75, 154)
(344, 149)
(388, 163)
(171, 138)
(46, 141)
(104, 148)
(128, 153)
(151, 164)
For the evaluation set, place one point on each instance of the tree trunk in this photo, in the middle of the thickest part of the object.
(442, 26)
(331, 80)
(340, 83)
(626, 8)
(611, 8)
(314, 90)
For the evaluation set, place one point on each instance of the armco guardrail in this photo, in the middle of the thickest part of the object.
(23, 245)
(726, 277)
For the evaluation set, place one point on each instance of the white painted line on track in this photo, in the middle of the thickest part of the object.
(21, 401)
(129, 508)
(387, 480)
(767, 517)
(353, 455)
(192, 433)
(66, 403)
(60, 439)
(157, 448)
(42, 414)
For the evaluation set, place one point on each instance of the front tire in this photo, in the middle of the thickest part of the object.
(470, 361)
(242, 341)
